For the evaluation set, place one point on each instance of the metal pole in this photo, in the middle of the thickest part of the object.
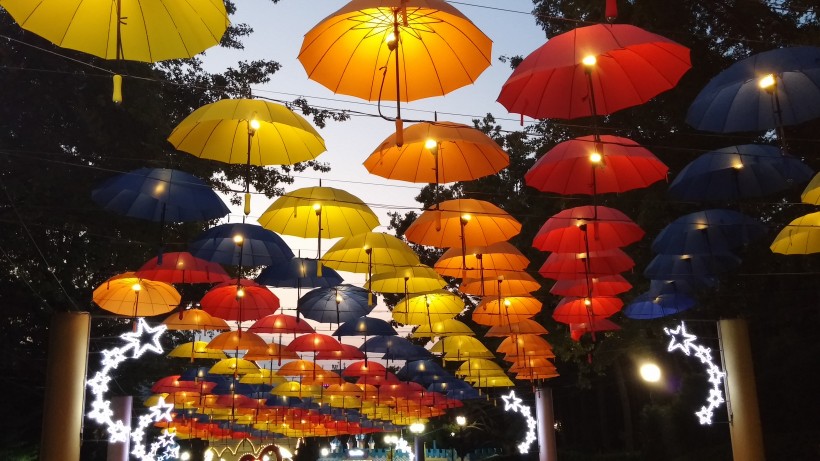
(546, 424)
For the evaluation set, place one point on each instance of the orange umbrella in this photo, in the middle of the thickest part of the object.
(300, 368)
(269, 351)
(530, 363)
(497, 256)
(517, 344)
(236, 340)
(126, 294)
(526, 326)
(195, 319)
(461, 221)
(507, 283)
(510, 309)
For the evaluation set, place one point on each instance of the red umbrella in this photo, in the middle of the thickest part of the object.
(246, 300)
(347, 352)
(378, 380)
(280, 323)
(592, 166)
(182, 267)
(313, 342)
(364, 368)
(578, 310)
(563, 266)
(576, 330)
(623, 65)
(607, 285)
(171, 384)
(587, 228)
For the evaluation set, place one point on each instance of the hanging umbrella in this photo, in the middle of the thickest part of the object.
(263, 376)
(294, 389)
(437, 153)
(594, 70)
(298, 273)
(576, 310)
(300, 368)
(128, 295)
(363, 368)
(708, 231)
(607, 285)
(647, 306)
(182, 267)
(241, 244)
(280, 323)
(460, 346)
(742, 98)
(370, 252)
(385, 344)
(195, 319)
(270, 352)
(577, 330)
(587, 228)
(523, 345)
(563, 266)
(461, 222)
(593, 165)
(427, 307)
(525, 326)
(497, 256)
(476, 368)
(239, 300)
(365, 326)
(509, 309)
(196, 350)
(233, 366)
(415, 279)
(739, 172)
(347, 352)
(237, 341)
(801, 236)
(811, 194)
(449, 327)
(313, 342)
(335, 304)
(690, 266)
(507, 283)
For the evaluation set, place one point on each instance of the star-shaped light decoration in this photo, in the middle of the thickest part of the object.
(680, 339)
(511, 402)
(161, 411)
(146, 338)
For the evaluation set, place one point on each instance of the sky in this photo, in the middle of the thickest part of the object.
(278, 32)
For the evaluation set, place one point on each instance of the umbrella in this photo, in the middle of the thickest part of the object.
(182, 267)
(408, 353)
(607, 285)
(365, 326)
(742, 98)
(461, 221)
(587, 228)
(335, 304)
(298, 273)
(563, 266)
(194, 319)
(497, 256)
(524, 326)
(475, 368)
(196, 350)
(237, 341)
(313, 342)
(523, 345)
(509, 309)
(300, 368)
(647, 306)
(385, 344)
(801, 236)
(448, 327)
(281, 323)
(576, 310)
(239, 300)
(247, 132)
(708, 231)
(593, 165)
(234, 366)
(347, 352)
(428, 307)
(594, 70)
(576, 330)
(126, 294)
(438, 153)
(689, 267)
(739, 172)
(241, 244)
(364, 368)
(811, 194)
(269, 352)
(507, 283)
(416, 279)
(294, 389)
(462, 346)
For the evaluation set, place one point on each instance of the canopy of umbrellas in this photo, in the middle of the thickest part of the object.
(404, 50)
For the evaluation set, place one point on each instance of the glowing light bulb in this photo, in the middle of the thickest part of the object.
(766, 82)
(240, 293)
(466, 217)
(317, 207)
(238, 239)
(589, 60)
(254, 125)
(595, 157)
(136, 287)
(391, 41)
(650, 372)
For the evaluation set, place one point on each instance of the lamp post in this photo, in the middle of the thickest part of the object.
(417, 429)
(461, 422)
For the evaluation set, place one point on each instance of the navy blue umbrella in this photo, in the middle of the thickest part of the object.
(657, 287)
(259, 246)
(409, 352)
(365, 326)
(739, 172)
(733, 101)
(386, 344)
(691, 268)
(334, 304)
(708, 231)
(424, 371)
(648, 306)
(298, 273)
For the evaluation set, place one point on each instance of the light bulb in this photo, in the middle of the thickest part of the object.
(589, 60)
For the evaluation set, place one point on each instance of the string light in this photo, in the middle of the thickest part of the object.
(682, 340)
(513, 403)
(144, 339)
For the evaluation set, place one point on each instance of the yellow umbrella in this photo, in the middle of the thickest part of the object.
(491, 381)
(498, 256)
(510, 309)
(507, 283)
(125, 294)
(526, 326)
(248, 132)
(461, 345)
(518, 346)
(415, 279)
(195, 319)
(479, 367)
(428, 307)
(448, 327)
(294, 389)
(811, 194)
(799, 237)
(233, 367)
(263, 376)
(196, 350)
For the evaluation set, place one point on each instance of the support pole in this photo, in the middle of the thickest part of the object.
(121, 405)
(546, 424)
(741, 391)
(65, 386)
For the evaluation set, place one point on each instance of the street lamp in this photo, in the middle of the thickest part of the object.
(650, 372)
(461, 421)
(417, 429)
(390, 440)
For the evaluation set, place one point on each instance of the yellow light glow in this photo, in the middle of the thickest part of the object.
(317, 207)
(589, 61)
(391, 41)
(595, 157)
(254, 125)
(238, 239)
(466, 217)
(240, 293)
(766, 82)
(431, 144)
(650, 372)
(136, 287)
(587, 302)
(339, 298)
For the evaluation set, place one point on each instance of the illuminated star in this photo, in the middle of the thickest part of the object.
(112, 358)
(715, 374)
(511, 402)
(715, 398)
(99, 383)
(101, 411)
(146, 338)
(704, 354)
(681, 339)
(705, 415)
(117, 432)
(162, 411)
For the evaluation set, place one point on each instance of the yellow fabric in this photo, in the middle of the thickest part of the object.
(449, 327)
(155, 30)
(479, 368)
(463, 154)
(219, 131)
(342, 214)
(441, 225)
(200, 351)
(231, 366)
(195, 319)
(799, 237)
(458, 344)
(347, 52)
(416, 279)
(526, 326)
(117, 295)
(811, 194)
(388, 253)
(430, 307)
(512, 309)
(294, 389)
(490, 258)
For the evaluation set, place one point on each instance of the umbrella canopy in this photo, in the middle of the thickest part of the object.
(563, 266)
(363, 368)
(507, 283)
(510, 309)
(365, 326)
(587, 228)
(313, 342)
(594, 70)
(428, 307)
(280, 323)
(739, 172)
(294, 389)
(196, 350)
(577, 330)
(690, 266)
(523, 345)
(607, 285)
(461, 222)
(460, 344)
(269, 352)
(576, 310)
(335, 304)
(801, 236)
(148, 31)
(448, 327)
(497, 256)
(358, 50)
(300, 368)
(126, 294)
(239, 300)
(160, 195)
(194, 319)
(385, 344)
(416, 279)
(182, 267)
(647, 306)
(811, 194)
(347, 352)
(298, 273)
(370, 252)
(438, 153)
(247, 132)
(234, 366)
(241, 244)
(525, 326)
(237, 340)
(593, 165)
(708, 231)
(738, 100)
(479, 368)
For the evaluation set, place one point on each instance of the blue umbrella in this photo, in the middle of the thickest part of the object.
(708, 231)
(648, 306)
(385, 344)
(734, 101)
(410, 352)
(334, 304)
(739, 172)
(657, 287)
(365, 326)
(422, 368)
(692, 268)
(259, 246)
(298, 273)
